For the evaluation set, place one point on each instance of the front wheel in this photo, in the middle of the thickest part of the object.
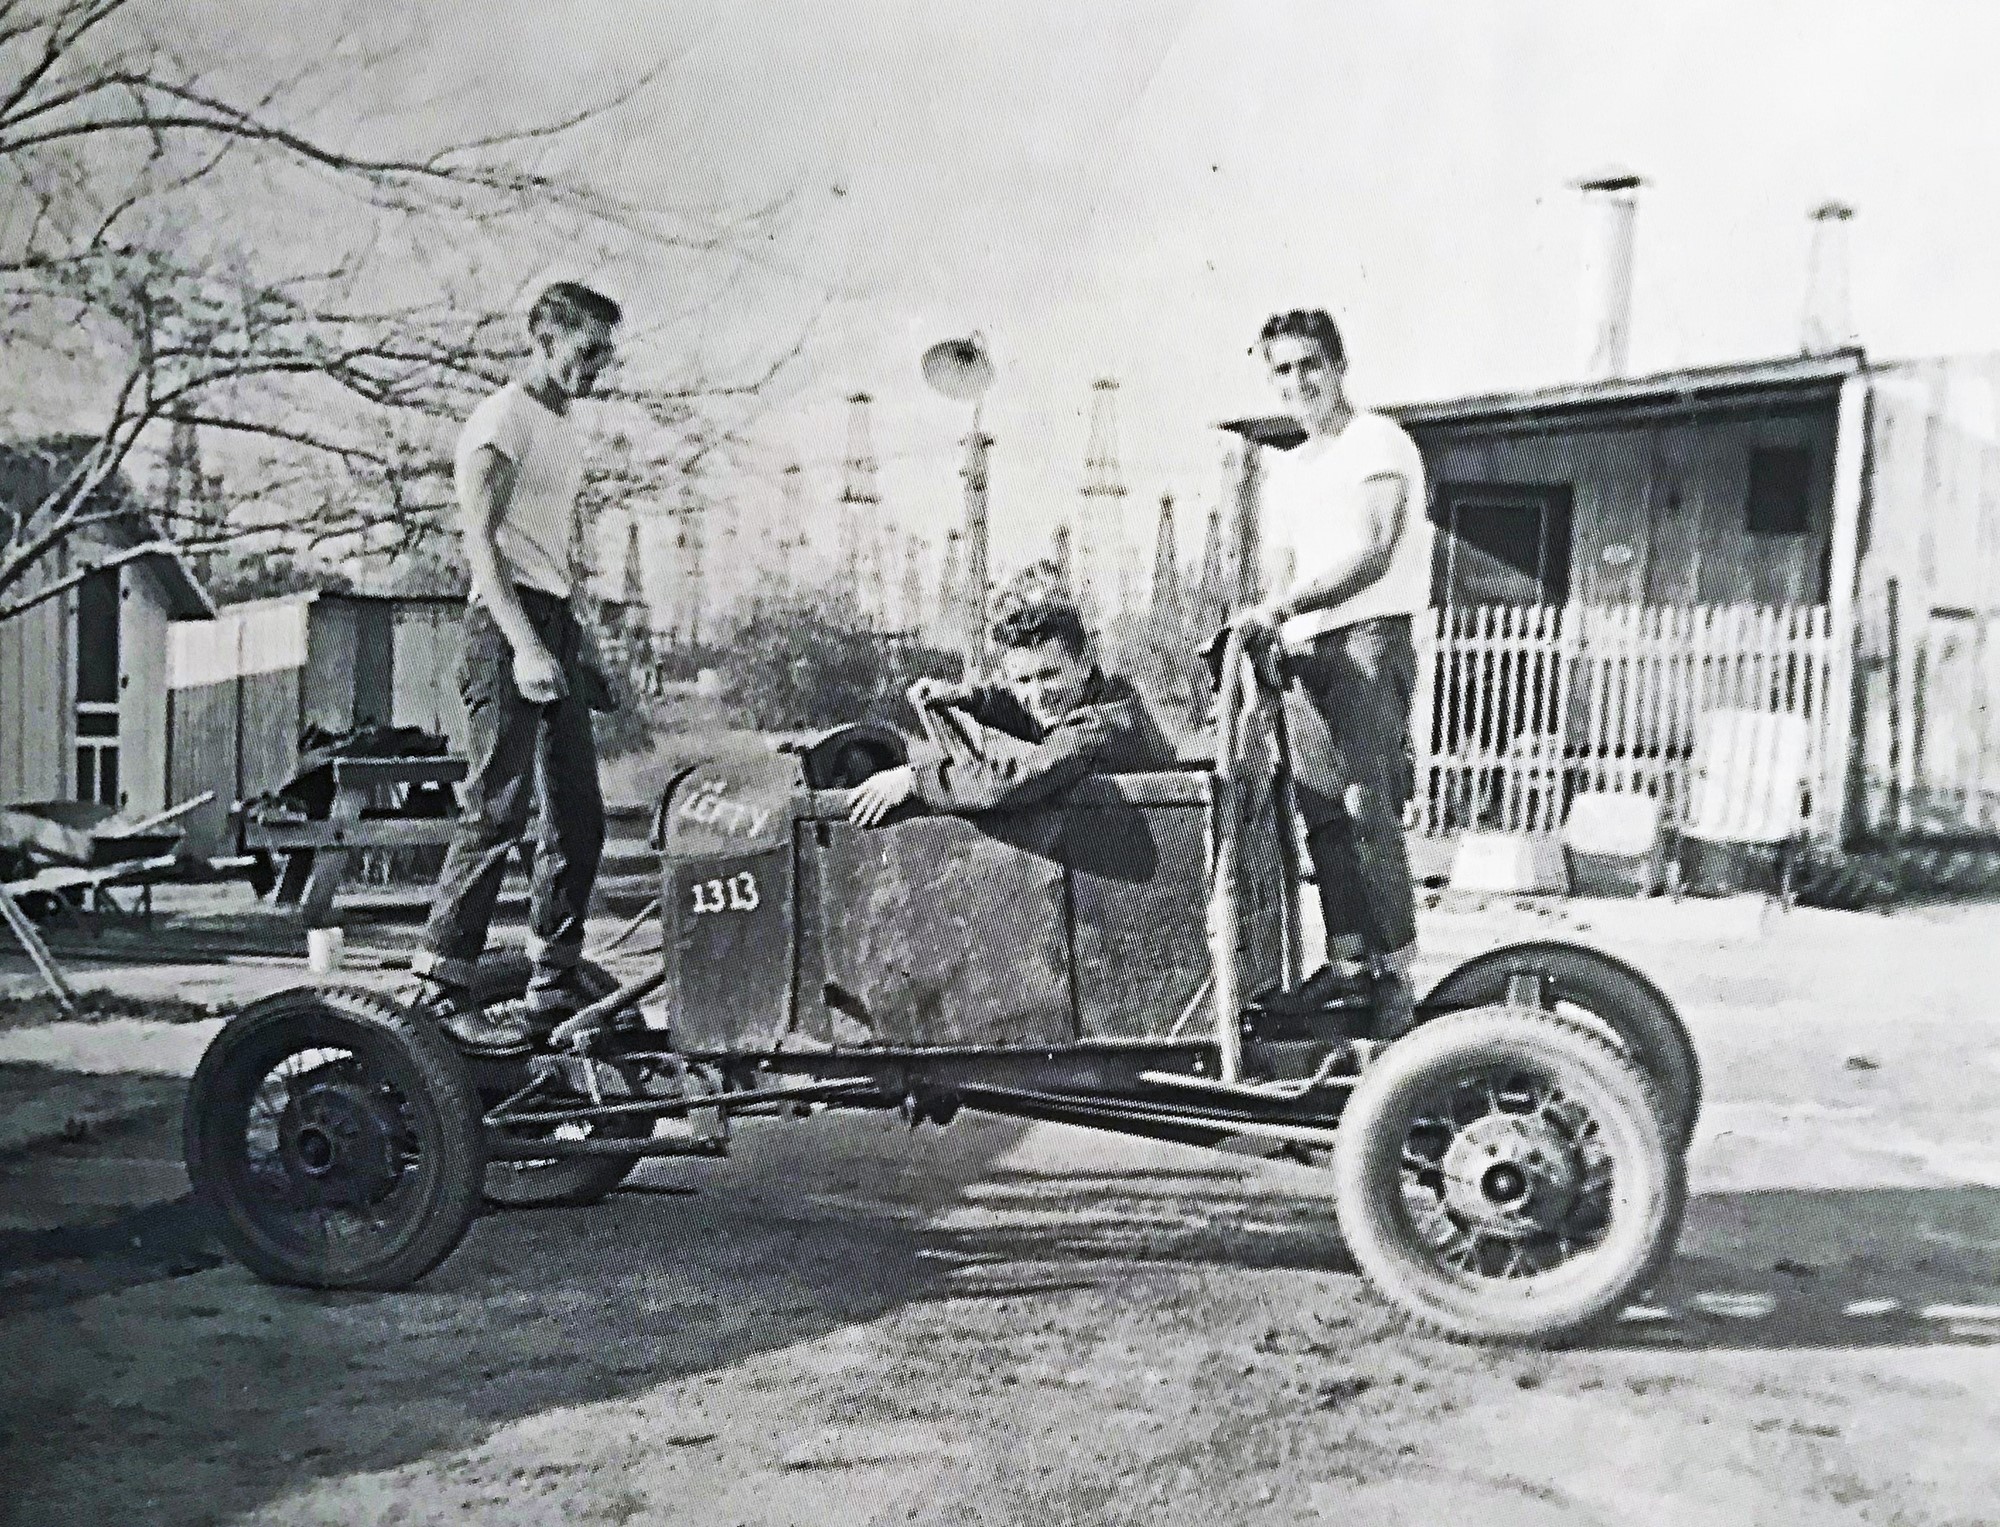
(335, 1138)
(1504, 1174)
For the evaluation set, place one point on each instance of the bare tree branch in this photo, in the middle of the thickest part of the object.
(131, 171)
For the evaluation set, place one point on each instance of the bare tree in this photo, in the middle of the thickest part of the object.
(174, 249)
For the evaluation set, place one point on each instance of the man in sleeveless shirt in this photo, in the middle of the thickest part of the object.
(528, 681)
(1347, 508)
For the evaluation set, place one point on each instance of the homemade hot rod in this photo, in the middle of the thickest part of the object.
(1511, 1169)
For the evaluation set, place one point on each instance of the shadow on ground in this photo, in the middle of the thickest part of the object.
(202, 1396)
(201, 1393)
(1814, 1253)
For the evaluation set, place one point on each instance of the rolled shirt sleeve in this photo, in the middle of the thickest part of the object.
(1009, 778)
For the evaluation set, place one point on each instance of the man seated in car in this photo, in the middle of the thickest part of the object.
(1055, 718)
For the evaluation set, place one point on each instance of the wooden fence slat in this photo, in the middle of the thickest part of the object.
(1530, 704)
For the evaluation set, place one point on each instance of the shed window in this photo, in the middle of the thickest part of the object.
(1780, 492)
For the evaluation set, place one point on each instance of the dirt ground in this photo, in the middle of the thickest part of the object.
(848, 1323)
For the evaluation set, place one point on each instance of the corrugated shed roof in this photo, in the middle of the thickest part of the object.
(1692, 387)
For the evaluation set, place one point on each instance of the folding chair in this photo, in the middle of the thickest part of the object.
(1748, 786)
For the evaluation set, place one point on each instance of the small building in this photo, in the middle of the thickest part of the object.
(1818, 535)
(242, 688)
(83, 694)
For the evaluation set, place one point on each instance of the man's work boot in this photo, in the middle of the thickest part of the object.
(555, 997)
(1395, 998)
(1314, 994)
(475, 1029)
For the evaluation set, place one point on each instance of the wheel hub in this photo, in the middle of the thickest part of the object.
(340, 1141)
(1511, 1175)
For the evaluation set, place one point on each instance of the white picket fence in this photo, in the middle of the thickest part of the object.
(1526, 705)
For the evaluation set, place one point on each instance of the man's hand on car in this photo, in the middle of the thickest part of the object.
(537, 675)
(1259, 627)
(935, 692)
(878, 795)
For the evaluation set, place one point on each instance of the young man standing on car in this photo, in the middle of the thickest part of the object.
(1055, 718)
(528, 682)
(1349, 505)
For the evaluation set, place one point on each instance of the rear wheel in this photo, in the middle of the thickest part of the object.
(1591, 987)
(336, 1140)
(1503, 1174)
(564, 1181)
(555, 1181)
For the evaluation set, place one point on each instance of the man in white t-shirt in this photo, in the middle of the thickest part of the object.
(1347, 510)
(529, 684)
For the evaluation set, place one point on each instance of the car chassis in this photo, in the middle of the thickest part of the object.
(1512, 1169)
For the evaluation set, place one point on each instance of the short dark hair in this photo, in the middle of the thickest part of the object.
(569, 305)
(1042, 620)
(1314, 324)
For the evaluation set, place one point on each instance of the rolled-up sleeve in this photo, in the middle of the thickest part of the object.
(1010, 781)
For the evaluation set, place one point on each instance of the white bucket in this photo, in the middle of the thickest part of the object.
(1505, 863)
(323, 949)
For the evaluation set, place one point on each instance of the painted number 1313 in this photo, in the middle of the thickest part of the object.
(736, 894)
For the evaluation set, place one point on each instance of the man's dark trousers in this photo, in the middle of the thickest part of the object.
(1348, 720)
(522, 756)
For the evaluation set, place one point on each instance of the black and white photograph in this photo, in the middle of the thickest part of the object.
(843, 763)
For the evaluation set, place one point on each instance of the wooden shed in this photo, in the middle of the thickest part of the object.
(244, 686)
(1813, 535)
(83, 693)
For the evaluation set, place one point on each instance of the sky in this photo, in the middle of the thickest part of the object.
(1127, 189)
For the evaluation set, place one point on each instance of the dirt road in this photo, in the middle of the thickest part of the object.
(1001, 1323)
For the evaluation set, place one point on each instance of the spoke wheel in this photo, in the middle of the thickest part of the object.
(557, 1181)
(1503, 1174)
(335, 1141)
(1592, 988)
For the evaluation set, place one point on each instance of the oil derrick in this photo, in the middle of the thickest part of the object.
(689, 573)
(728, 578)
(1130, 572)
(1242, 547)
(860, 504)
(792, 533)
(1211, 597)
(191, 501)
(887, 558)
(950, 609)
(628, 619)
(978, 454)
(633, 592)
(1063, 557)
(1168, 613)
(913, 586)
(1101, 517)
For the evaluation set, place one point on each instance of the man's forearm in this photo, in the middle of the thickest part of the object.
(494, 589)
(1331, 588)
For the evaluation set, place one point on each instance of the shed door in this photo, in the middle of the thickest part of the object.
(98, 669)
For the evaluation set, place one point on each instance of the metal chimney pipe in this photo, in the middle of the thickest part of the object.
(1611, 207)
(1826, 324)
